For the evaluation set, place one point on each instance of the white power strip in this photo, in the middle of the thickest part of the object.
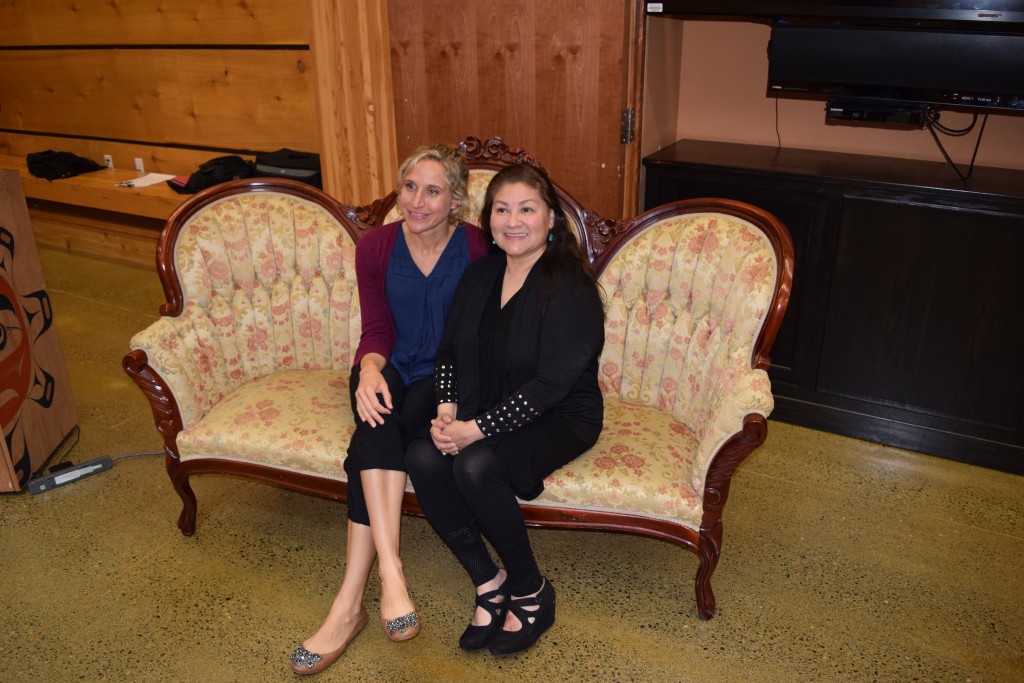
(66, 476)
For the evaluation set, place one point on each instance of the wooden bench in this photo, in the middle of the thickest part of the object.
(90, 213)
(99, 190)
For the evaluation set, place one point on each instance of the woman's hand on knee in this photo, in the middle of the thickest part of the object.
(373, 398)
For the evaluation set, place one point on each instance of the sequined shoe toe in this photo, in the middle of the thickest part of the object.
(401, 628)
(306, 663)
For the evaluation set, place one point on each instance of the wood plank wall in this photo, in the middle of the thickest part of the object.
(173, 83)
(351, 50)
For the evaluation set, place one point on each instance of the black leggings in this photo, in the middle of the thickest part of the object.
(465, 495)
(382, 447)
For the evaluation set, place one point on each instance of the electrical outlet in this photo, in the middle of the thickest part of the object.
(138, 165)
(108, 161)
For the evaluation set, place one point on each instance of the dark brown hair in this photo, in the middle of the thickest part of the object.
(563, 255)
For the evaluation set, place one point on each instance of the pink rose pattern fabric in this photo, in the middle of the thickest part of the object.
(269, 285)
(686, 299)
(640, 464)
(296, 420)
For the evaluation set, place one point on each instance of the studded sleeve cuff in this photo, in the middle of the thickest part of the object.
(445, 385)
(508, 416)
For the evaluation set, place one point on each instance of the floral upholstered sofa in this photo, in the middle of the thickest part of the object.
(247, 369)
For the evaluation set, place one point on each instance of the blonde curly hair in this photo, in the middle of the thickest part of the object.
(456, 173)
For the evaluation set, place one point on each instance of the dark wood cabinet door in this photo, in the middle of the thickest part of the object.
(552, 78)
(924, 313)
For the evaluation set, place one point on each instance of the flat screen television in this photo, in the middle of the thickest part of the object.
(942, 68)
(939, 53)
(991, 13)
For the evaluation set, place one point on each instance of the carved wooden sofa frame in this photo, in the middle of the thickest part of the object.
(689, 478)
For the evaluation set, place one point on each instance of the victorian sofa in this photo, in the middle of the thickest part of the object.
(246, 371)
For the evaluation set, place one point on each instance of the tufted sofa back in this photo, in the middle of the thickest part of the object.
(686, 300)
(266, 282)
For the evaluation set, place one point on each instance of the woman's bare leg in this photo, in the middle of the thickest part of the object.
(384, 490)
(348, 604)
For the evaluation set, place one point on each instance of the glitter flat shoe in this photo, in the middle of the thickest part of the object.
(306, 663)
(401, 628)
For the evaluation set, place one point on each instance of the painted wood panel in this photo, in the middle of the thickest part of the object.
(243, 99)
(152, 22)
(549, 77)
(37, 409)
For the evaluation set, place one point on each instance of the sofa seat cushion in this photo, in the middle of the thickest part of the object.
(641, 465)
(297, 420)
(301, 421)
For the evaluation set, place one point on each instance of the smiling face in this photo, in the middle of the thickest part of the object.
(520, 221)
(425, 198)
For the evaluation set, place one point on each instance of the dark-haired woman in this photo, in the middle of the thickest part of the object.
(518, 397)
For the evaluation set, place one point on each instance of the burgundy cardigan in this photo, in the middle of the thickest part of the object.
(372, 255)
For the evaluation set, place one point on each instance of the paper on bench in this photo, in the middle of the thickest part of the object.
(146, 180)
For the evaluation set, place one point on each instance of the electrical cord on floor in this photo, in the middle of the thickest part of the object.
(65, 448)
(65, 472)
(135, 455)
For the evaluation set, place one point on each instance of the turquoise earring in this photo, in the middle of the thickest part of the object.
(551, 236)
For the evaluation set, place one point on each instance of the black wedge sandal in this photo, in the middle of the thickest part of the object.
(534, 622)
(477, 637)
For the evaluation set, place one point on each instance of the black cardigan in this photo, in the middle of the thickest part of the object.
(552, 354)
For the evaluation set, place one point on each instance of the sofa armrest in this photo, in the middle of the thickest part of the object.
(729, 402)
(182, 352)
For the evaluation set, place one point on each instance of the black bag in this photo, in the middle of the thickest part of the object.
(214, 172)
(287, 163)
(54, 165)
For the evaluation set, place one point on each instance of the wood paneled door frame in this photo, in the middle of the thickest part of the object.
(553, 77)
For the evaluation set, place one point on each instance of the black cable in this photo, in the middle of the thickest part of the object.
(977, 143)
(778, 136)
(932, 117)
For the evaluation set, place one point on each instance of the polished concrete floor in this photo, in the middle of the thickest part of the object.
(842, 561)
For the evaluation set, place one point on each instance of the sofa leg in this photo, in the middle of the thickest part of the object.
(187, 518)
(707, 552)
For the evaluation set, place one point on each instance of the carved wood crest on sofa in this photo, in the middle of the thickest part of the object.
(246, 371)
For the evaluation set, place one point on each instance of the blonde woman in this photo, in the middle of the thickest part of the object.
(407, 273)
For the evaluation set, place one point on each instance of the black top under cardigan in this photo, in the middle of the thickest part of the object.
(552, 354)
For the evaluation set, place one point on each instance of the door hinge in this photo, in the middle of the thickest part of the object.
(627, 126)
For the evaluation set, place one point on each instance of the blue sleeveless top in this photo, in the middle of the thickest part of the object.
(419, 303)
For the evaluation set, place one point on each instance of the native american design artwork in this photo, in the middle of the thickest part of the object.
(24, 386)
